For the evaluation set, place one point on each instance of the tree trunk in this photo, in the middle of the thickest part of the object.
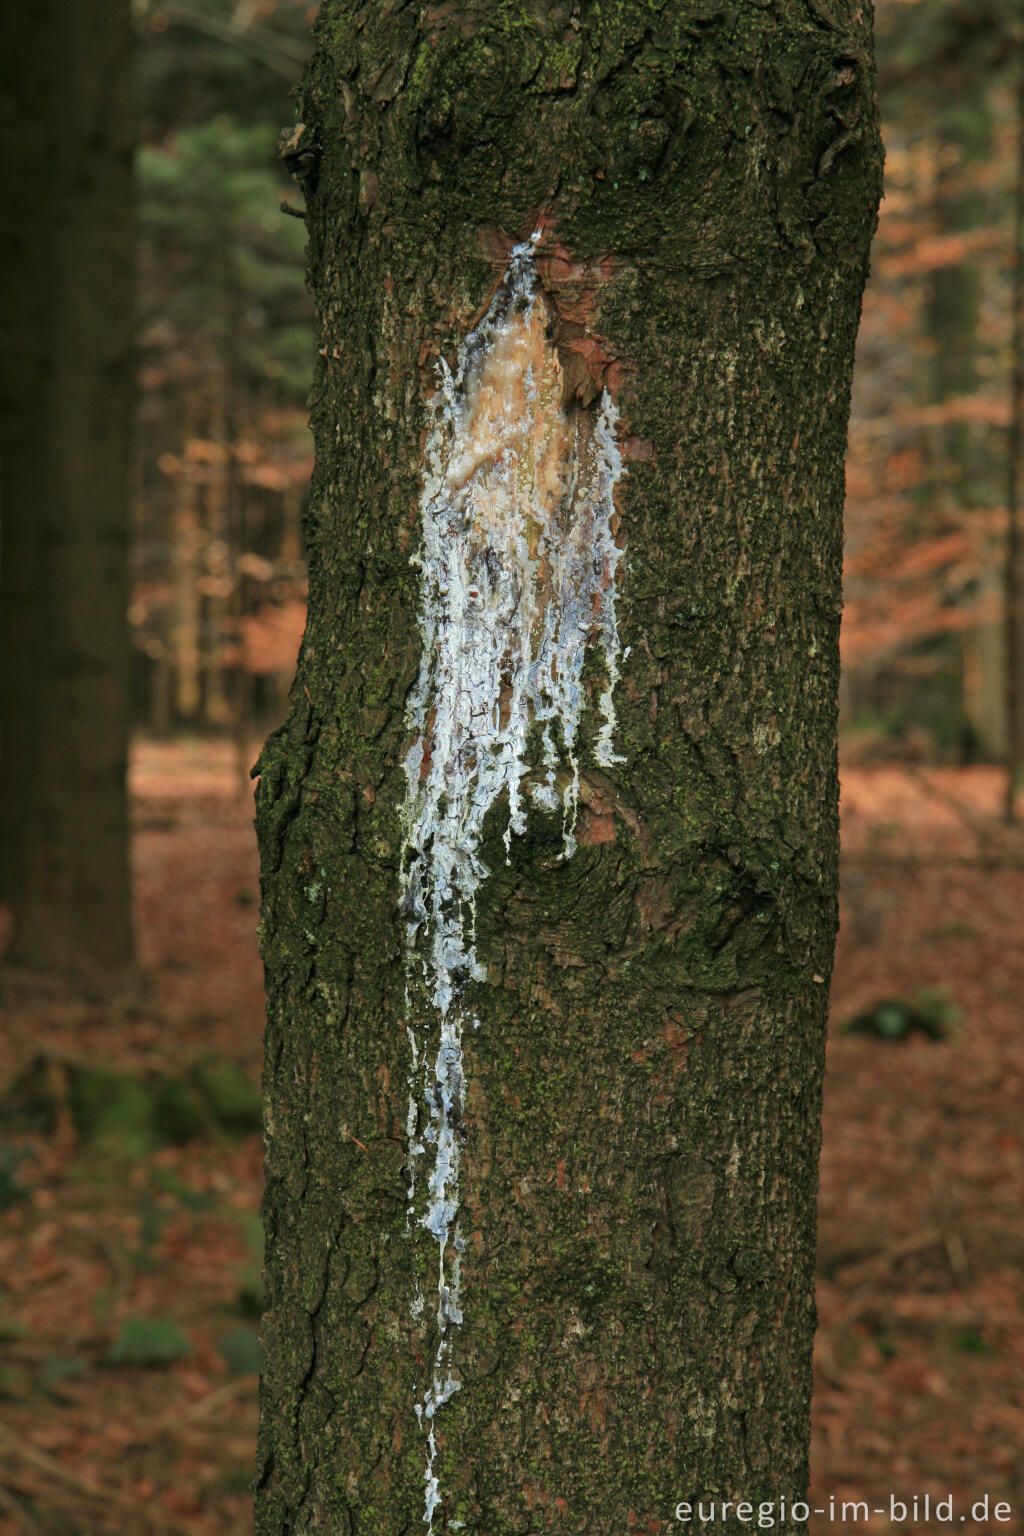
(549, 841)
(187, 541)
(953, 293)
(66, 398)
(951, 323)
(1013, 568)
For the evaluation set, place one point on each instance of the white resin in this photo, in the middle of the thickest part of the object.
(518, 577)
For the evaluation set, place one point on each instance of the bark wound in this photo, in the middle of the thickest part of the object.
(518, 579)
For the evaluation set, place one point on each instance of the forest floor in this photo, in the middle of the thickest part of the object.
(129, 1269)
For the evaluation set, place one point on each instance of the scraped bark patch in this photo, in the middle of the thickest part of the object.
(518, 570)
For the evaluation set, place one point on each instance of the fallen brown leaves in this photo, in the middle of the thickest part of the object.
(921, 1296)
(920, 1352)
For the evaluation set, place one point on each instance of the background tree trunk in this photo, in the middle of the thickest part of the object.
(66, 397)
(1013, 574)
(642, 1094)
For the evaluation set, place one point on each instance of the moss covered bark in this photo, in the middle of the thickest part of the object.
(643, 1094)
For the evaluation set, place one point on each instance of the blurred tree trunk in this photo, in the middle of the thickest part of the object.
(220, 567)
(187, 540)
(954, 291)
(66, 393)
(237, 503)
(952, 319)
(637, 1114)
(1013, 575)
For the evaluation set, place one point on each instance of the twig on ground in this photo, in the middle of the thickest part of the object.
(52, 1486)
(878, 1263)
(865, 1275)
(20, 1448)
(905, 859)
(26, 1521)
(978, 828)
(169, 1422)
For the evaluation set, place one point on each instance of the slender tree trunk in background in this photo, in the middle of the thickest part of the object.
(220, 566)
(952, 307)
(1014, 569)
(66, 397)
(954, 291)
(596, 1068)
(160, 712)
(237, 499)
(187, 535)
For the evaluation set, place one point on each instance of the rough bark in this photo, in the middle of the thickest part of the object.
(642, 1096)
(66, 274)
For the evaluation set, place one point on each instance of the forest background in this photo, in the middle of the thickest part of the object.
(129, 1145)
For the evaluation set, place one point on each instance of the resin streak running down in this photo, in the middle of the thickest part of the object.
(518, 578)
